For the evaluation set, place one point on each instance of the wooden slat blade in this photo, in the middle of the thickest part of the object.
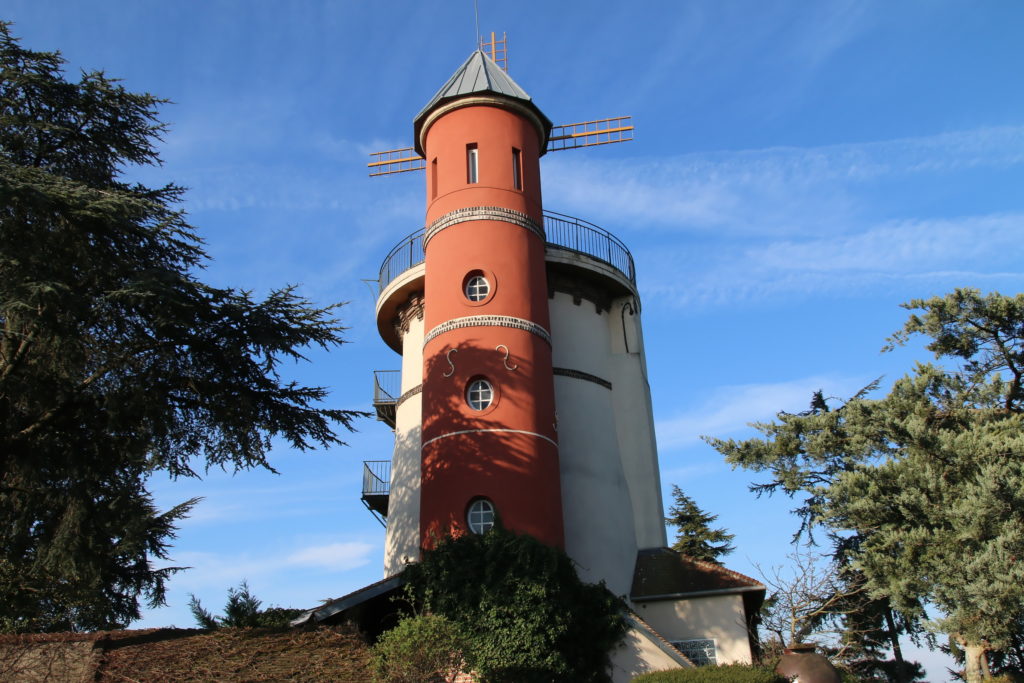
(591, 133)
(395, 161)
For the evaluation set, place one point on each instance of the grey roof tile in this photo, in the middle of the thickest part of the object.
(478, 74)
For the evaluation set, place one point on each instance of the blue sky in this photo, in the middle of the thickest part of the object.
(799, 170)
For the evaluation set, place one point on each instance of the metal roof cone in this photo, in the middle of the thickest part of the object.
(478, 74)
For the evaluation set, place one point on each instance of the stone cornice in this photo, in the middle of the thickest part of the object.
(411, 310)
(579, 374)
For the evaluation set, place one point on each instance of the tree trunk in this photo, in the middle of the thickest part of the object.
(975, 661)
(894, 640)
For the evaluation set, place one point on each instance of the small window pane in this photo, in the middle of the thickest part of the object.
(700, 651)
(471, 164)
(477, 288)
(479, 394)
(481, 516)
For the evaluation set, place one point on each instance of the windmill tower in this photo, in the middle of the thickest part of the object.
(523, 391)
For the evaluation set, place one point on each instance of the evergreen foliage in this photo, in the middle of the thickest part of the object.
(695, 537)
(420, 649)
(116, 361)
(878, 670)
(729, 673)
(242, 610)
(525, 612)
(930, 478)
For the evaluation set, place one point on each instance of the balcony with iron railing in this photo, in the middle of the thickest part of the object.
(563, 233)
(377, 488)
(387, 388)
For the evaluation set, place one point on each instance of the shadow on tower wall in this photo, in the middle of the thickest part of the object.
(495, 453)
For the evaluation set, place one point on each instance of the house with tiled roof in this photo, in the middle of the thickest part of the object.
(705, 610)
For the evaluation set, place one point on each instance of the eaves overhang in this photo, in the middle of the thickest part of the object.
(698, 594)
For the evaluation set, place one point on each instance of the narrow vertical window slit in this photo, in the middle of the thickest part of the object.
(472, 174)
(517, 169)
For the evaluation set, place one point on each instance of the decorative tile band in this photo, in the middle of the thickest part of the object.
(489, 321)
(489, 431)
(482, 213)
(577, 374)
(407, 395)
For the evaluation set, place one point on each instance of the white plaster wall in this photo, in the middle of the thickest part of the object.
(640, 653)
(402, 540)
(597, 511)
(634, 415)
(718, 616)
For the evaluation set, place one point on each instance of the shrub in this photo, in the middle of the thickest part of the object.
(729, 673)
(527, 615)
(419, 649)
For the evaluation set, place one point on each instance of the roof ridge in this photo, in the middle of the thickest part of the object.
(721, 568)
(487, 70)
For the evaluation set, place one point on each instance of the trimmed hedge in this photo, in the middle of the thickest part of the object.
(729, 673)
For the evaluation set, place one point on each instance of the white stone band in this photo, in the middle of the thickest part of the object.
(489, 321)
(485, 431)
(482, 213)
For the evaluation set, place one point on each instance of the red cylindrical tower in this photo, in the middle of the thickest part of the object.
(489, 442)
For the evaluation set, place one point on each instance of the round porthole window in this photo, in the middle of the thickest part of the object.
(477, 288)
(480, 516)
(479, 394)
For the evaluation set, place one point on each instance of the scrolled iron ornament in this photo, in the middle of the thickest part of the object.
(512, 368)
(448, 357)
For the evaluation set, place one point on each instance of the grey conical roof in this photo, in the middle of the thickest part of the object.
(478, 74)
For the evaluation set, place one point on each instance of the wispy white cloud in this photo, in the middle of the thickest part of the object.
(822, 30)
(782, 190)
(730, 409)
(208, 569)
(967, 250)
(332, 556)
(903, 246)
(797, 41)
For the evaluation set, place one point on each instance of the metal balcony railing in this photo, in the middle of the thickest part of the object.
(387, 387)
(377, 487)
(576, 234)
(405, 255)
(563, 232)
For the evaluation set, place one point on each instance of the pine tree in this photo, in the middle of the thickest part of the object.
(930, 477)
(242, 610)
(116, 361)
(695, 537)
